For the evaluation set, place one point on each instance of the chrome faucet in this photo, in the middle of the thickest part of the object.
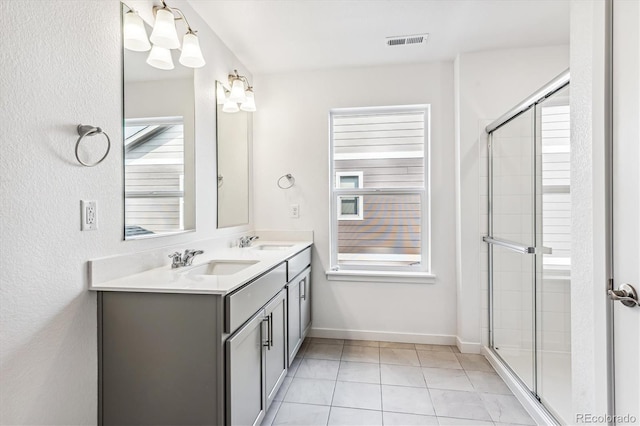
(246, 241)
(187, 257)
(178, 260)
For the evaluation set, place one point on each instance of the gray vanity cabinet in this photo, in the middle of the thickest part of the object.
(256, 363)
(305, 302)
(295, 333)
(246, 371)
(196, 359)
(276, 351)
(299, 310)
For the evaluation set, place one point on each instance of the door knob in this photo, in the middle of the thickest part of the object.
(625, 294)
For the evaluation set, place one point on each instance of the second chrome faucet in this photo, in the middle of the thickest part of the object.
(246, 241)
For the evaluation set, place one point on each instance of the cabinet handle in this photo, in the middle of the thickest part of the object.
(303, 286)
(270, 330)
(265, 342)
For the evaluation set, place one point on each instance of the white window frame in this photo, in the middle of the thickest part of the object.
(416, 273)
(359, 199)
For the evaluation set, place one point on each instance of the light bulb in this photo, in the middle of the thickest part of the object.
(164, 30)
(134, 33)
(160, 58)
(237, 91)
(191, 54)
(249, 104)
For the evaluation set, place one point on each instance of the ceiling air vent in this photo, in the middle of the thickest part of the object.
(406, 40)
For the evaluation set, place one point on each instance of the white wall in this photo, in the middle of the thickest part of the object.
(291, 136)
(488, 84)
(61, 66)
(588, 244)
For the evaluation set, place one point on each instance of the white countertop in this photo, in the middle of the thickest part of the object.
(167, 280)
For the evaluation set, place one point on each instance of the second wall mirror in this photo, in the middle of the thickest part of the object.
(233, 136)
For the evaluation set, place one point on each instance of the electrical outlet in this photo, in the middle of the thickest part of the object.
(294, 211)
(89, 215)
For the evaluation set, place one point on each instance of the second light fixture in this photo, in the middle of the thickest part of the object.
(240, 97)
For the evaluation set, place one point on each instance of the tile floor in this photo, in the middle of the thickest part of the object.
(351, 382)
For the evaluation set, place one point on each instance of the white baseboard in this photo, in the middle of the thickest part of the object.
(468, 347)
(535, 409)
(383, 336)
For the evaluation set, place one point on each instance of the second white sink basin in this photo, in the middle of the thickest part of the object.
(221, 267)
(273, 246)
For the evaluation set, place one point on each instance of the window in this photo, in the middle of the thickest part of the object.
(379, 183)
(349, 208)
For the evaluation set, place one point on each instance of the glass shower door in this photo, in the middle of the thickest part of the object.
(512, 230)
(553, 265)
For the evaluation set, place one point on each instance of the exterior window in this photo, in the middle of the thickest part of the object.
(349, 208)
(379, 188)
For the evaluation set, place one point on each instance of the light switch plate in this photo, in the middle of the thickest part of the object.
(88, 215)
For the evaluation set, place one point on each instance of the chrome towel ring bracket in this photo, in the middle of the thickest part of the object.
(83, 131)
(289, 178)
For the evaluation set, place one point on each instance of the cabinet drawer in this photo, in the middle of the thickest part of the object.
(244, 303)
(298, 263)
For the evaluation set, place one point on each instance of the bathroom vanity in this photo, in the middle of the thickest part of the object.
(206, 344)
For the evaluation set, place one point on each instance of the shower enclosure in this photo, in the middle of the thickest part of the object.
(529, 245)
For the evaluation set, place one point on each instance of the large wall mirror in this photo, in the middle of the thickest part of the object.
(233, 133)
(159, 147)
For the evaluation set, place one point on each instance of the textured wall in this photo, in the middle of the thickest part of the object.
(291, 136)
(588, 263)
(60, 66)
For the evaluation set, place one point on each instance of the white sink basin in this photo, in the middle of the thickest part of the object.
(221, 267)
(273, 246)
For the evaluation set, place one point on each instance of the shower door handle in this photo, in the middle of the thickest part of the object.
(626, 294)
(520, 248)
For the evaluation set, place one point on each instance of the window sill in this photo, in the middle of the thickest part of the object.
(382, 276)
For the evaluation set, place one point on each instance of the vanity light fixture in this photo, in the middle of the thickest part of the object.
(164, 37)
(241, 93)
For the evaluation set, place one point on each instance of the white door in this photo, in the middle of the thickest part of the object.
(626, 205)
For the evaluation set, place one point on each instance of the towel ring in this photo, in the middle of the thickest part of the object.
(290, 178)
(84, 130)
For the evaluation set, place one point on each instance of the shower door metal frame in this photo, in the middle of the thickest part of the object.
(555, 85)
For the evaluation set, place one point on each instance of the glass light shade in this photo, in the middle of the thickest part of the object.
(135, 35)
(160, 58)
(164, 30)
(191, 54)
(249, 104)
(237, 91)
(230, 106)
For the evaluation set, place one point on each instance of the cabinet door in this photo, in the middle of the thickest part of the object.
(276, 350)
(293, 320)
(305, 303)
(246, 404)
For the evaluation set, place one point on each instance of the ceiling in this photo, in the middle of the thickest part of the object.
(271, 36)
